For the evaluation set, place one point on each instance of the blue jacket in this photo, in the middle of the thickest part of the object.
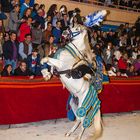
(57, 34)
(2, 16)
(22, 9)
(36, 70)
(31, 2)
(40, 19)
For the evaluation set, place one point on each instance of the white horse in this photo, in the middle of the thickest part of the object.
(75, 53)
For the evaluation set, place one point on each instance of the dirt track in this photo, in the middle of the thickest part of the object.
(116, 127)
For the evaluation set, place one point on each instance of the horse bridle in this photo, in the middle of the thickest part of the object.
(73, 34)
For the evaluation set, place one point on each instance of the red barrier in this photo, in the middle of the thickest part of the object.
(23, 100)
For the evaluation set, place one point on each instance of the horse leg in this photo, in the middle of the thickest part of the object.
(73, 128)
(81, 134)
(97, 126)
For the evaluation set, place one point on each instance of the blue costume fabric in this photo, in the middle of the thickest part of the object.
(31, 2)
(89, 108)
(91, 20)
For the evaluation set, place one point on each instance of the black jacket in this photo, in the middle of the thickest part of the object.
(18, 72)
(6, 6)
(64, 27)
(4, 73)
(8, 49)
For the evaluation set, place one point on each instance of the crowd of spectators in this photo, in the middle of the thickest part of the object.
(27, 34)
(127, 3)
(135, 4)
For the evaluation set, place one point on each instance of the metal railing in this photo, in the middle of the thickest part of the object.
(95, 2)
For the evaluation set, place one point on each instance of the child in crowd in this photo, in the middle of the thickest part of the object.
(33, 62)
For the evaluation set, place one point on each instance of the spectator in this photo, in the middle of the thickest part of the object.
(25, 47)
(39, 18)
(2, 29)
(122, 64)
(108, 54)
(24, 6)
(126, 28)
(50, 47)
(137, 25)
(14, 19)
(7, 71)
(6, 9)
(33, 62)
(36, 34)
(97, 50)
(64, 22)
(31, 2)
(48, 32)
(110, 37)
(1, 44)
(110, 70)
(117, 54)
(35, 9)
(22, 70)
(78, 16)
(63, 9)
(135, 53)
(25, 28)
(55, 19)
(130, 70)
(52, 11)
(57, 32)
(3, 16)
(42, 6)
(108, 2)
(123, 40)
(48, 20)
(6, 36)
(137, 65)
(14, 3)
(10, 51)
(27, 13)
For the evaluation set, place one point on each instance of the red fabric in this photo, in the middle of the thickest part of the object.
(23, 30)
(122, 64)
(23, 100)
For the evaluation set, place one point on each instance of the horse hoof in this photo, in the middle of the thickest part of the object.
(67, 134)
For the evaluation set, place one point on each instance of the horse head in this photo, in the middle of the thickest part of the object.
(74, 33)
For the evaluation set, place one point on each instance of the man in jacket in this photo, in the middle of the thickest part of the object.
(10, 50)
